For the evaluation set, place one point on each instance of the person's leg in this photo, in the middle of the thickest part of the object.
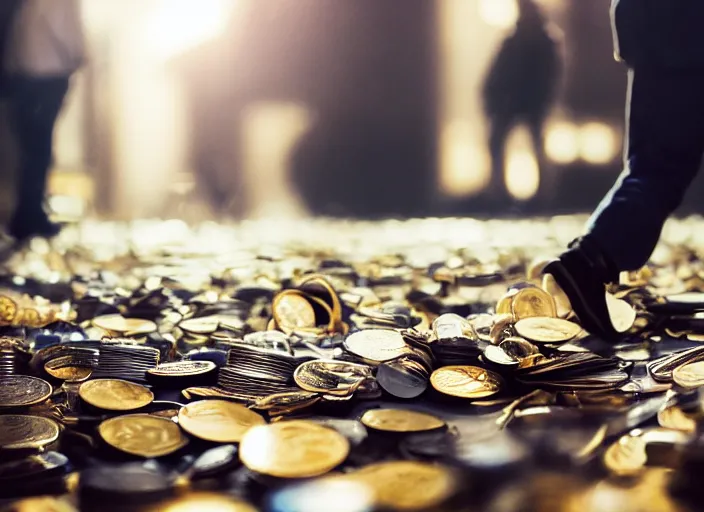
(548, 179)
(35, 104)
(665, 147)
(500, 129)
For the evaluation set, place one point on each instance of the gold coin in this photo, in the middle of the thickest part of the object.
(333, 377)
(503, 307)
(293, 449)
(23, 391)
(143, 435)
(26, 432)
(8, 309)
(217, 420)
(399, 420)
(466, 381)
(623, 316)
(675, 419)
(292, 310)
(500, 329)
(690, 375)
(532, 302)
(626, 457)
(563, 306)
(69, 373)
(204, 501)
(115, 395)
(126, 326)
(407, 485)
(43, 505)
(547, 330)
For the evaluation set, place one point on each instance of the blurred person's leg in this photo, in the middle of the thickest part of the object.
(35, 104)
(664, 152)
(500, 130)
(548, 178)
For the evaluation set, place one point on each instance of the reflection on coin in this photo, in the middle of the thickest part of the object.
(115, 395)
(563, 306)
(399, 420)
(8, 309)
(623, 316)
(204, 501)
(690, 375)
(217, 420)
(182, 369)
(336, 377)
(465, 381)
(407, 485)
(69, 373)
(498, 356)
(143, 435)
(547, 330)
(26, 432)
(293, 449)
(292, 310)
(674, 418)
(532, 302)
(23, 391)
(122, 325)
(376, 344)
(626, 457)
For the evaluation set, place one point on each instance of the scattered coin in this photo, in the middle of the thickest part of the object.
(334, 377)
(674, 418)
(690, 375)
(115, 395)
(292, 310)
(466, 381)
(143, 435)
(218, 421)
(532, 302)
(23, 391)
(626, 457)
(376, 344)
(26, 432)
(623, 316)
(293, 449)
(547, 330)
(124, 326)
(204, 501)
(400, 420)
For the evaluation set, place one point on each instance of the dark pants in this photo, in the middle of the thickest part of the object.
(35, 103)
(664, 153)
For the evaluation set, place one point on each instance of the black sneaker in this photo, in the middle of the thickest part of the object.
(587, 293)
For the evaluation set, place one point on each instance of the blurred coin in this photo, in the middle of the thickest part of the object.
(8, 310)
(690, 375)
(400, 420)
(674, 418)
(115, 395)
(143, 435)
(204, 501)
(547, 330)
(627, 456)
(217, 420)
(376, 344)
(403, 378)
(532, 302)
(125, 326)
(623, 316)
(26, 432)
(662, 368)
(563, 306)
(23, 391)
(69, 373)
(292, 310)
(293, 449)
(466, 381)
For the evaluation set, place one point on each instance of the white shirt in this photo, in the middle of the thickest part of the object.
(46, 39)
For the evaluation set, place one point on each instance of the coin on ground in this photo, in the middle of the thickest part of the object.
(23, 391)
(547, 330)
(466, 381)
(627, 456)
(115, 395)
(690, 375)
(376, 344)
(217, 420)
(142, 435)
(674, 418)
(533, 302)
(292, 310)
(407, 485)
(69, 373)
(293, 449)
(399, 420)
(204, 501)
(26, 432)
(121, 325)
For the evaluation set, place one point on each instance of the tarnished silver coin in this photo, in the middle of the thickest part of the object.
(23, 391)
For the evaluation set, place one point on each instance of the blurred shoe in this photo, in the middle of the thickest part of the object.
(584, 279)
(22, 230)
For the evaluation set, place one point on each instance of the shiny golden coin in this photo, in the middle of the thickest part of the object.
(533, 302)
(623, 316)
(26, 432)
(23, 391)
(69, 373)
(115, 395)
(547, 330)
(333, 377)
(206, 502)
(8, 309)
(563, 306)
(217, 420)
(503, 307)
(466, 381)
(42, 505)
(407, 485)
(292, 310)
(293, 449)
(675, 419)
(400, 420)
(690, 375)
(501, 329)
(142, 435)
(626, 457)
(126, 326)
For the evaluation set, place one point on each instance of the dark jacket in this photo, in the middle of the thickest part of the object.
(659, 33)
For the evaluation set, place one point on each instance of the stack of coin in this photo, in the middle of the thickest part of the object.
(128, 362)
(579, 371)
(62, 361)
(14, 359)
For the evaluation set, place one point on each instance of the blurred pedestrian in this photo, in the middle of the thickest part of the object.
(520, 89)
(663, 45)
(44, 49)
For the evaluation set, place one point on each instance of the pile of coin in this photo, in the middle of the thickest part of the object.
(424, 377)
